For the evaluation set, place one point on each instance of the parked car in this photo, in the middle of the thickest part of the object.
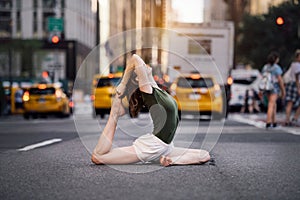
(198, 94)
(45, 99)
(244, 80)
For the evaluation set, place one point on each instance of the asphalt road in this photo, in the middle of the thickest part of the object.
(250, 163)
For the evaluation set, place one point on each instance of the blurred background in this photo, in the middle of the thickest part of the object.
(49, 39)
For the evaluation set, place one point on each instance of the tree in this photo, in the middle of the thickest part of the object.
(258, 35)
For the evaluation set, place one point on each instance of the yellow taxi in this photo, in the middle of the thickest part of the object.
(42, 99)
(198, 94)
(103, 92)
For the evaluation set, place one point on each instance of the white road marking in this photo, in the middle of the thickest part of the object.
(40, 144)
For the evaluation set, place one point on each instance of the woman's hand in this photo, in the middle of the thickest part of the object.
(120, 90)
(260, 95)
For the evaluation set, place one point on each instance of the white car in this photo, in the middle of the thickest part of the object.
(243, 80)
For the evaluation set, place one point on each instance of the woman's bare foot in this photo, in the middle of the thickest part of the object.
(117, 108)
(205, 157)
(165, 161)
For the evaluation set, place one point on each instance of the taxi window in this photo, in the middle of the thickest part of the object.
(105, 82)
(37, 91)
(195, 83)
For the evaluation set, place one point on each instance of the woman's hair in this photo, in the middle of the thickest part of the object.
(134, 97)
(135, 103)
(272, 57)
(297, 53)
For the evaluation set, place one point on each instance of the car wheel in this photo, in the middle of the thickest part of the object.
(26, 116)
(66, 111)
(34, 116)
(179, 114)
(102, 115)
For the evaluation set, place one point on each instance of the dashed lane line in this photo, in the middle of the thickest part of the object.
(40, 144)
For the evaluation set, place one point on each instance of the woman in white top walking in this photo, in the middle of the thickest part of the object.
(293, 91)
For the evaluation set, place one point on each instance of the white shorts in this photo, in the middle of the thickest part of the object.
(150, 148)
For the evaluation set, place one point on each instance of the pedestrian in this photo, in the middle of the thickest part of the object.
(293, 91)
(18, 98)
(277, 88)
(156, 146)
(250, 103)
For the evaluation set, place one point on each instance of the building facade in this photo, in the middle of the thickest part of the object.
(257, 7)
(26, 27)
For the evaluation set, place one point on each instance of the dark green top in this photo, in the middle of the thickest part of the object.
(164, 113)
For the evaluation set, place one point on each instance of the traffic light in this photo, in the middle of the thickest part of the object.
(54, 37)
(280, 21)
(284, 24)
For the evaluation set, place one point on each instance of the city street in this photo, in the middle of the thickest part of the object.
(249, 162)
(66, 64)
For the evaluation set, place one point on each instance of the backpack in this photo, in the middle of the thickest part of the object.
(266, 83)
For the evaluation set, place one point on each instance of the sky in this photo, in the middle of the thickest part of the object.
(189, 10)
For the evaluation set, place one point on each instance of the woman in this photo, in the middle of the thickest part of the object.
(276, 72)
(293, 91)
(153, 146)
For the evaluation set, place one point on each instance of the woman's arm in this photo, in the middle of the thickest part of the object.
(281, 85)
(126, 76)
(297, 77)
(144, 74)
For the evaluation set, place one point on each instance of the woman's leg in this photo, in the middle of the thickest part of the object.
(105, 141)
(103, 154)
(297, 113)
(288, 111)
(184, 156)
(274, 112)
(122, 155)
(271, 105)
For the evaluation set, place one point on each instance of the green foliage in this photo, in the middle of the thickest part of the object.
(258, 35)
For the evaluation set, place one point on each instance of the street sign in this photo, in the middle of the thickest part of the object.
(55, 24)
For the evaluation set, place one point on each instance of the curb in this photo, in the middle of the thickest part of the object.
(259, 122)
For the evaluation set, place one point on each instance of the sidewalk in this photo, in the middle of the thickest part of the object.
(259, 120)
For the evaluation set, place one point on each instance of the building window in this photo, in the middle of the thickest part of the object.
(18, 21)
(5, 18)
(35, 22)
(49, 5)
(5, 5)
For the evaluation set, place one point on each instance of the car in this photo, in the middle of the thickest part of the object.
(198, 94)
(103, 92)
(45, 99)
(244, 80)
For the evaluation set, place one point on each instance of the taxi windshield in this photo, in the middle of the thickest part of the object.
(195, 83)
(104, 82)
